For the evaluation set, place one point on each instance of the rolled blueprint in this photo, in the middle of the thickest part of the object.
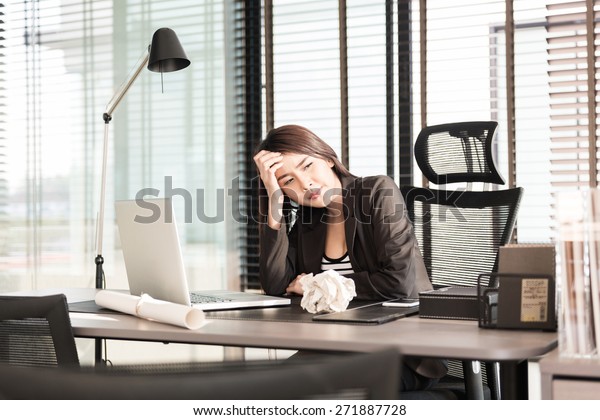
(152, 309)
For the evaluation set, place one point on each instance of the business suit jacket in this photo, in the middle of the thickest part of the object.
(383, 250)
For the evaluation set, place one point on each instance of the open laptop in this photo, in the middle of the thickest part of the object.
(154, 262)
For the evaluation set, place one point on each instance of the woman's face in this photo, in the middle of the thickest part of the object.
(308, 180)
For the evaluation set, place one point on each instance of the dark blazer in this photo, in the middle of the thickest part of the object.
(383, 250)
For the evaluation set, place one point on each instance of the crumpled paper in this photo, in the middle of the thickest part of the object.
(326, 292)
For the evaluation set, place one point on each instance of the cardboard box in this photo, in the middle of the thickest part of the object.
(527, 259)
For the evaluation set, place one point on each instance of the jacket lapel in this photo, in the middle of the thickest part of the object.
(349, 185)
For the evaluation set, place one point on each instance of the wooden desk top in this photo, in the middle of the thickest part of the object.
(412, 335)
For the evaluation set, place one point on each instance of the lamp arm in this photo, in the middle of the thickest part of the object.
(107, 116)
(120, 93)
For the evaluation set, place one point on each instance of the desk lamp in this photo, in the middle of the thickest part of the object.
(164, 54)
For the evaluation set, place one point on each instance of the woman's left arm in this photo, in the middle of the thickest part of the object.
(385, 235)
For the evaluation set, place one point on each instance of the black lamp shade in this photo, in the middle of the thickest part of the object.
(166, 52)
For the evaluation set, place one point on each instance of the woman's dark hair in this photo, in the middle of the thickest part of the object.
(298, 140)
(301, 141)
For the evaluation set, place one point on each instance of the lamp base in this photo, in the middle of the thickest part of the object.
(99, 272)
(99, 285)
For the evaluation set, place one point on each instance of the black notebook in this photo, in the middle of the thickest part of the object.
(371, 314)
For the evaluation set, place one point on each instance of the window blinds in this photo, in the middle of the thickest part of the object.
(325, 50)
(573, 92)
(467, 79)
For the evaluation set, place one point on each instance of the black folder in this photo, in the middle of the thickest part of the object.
(370, 314)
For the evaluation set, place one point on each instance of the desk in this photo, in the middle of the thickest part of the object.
(566, 378)
(411, 336)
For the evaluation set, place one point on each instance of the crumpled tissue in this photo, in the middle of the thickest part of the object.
(326, 292)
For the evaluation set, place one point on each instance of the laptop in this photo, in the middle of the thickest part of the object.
(154, 262)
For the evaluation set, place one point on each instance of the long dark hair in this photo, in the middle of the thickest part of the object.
(298, 140)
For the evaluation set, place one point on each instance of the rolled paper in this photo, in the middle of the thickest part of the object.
(152, 309)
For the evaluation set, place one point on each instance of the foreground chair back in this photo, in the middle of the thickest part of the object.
(356, 376)
(36, 331)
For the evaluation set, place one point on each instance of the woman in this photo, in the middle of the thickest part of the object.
(357, 225)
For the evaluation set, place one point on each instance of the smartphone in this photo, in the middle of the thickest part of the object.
(403, 303)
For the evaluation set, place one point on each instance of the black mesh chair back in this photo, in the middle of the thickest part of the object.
(458, 152)
(36, 331)
(460, 232)
(353, 376)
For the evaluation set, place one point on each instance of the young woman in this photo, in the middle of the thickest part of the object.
(356, 225)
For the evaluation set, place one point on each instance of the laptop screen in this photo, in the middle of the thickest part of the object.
(151, 249)
(154, 262)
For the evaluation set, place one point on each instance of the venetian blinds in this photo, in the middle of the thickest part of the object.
(334, 67)
(3, 139)
(51, 89)
(467, 77)
(333, 72)
(572, 73)
(248, 132)
(306, 67)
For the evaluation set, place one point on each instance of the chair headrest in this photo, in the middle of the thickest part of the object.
(458, 152)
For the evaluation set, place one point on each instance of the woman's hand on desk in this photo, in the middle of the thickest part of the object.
(295, 286)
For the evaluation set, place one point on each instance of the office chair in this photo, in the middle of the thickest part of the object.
(354, 376)
(460, 232)
(36, 331)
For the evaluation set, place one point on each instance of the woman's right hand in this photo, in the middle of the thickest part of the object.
(267, 163)
(295, 286)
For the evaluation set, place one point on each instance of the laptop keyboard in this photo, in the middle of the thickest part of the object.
(196, 298)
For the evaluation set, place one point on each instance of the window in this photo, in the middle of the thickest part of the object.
(62, 62)
(448, 63)
(466, 80)
(322, 52)
(333, 67)
(351, 70)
